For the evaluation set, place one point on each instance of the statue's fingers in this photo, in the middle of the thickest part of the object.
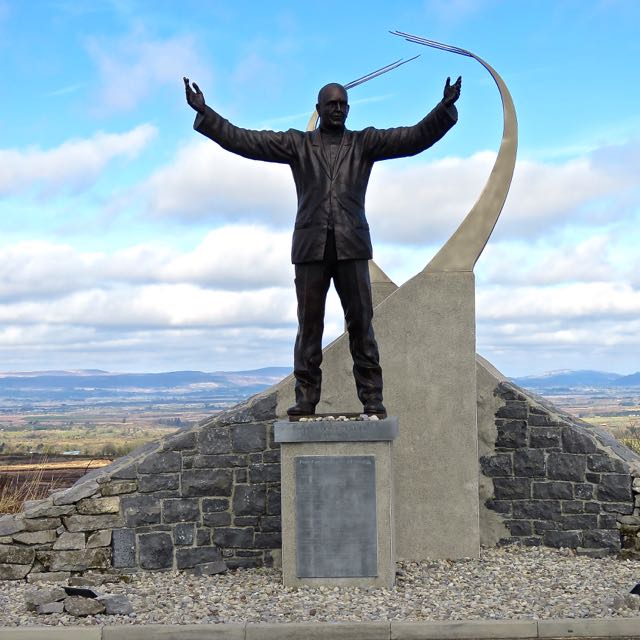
(448, 82)
(197, 88)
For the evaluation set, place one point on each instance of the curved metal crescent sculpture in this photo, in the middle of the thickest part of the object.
(462, 250)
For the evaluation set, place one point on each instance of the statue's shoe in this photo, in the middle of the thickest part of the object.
(375, 408)
(301, 409)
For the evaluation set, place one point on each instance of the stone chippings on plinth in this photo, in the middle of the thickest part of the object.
(202, 500)
(560, 482)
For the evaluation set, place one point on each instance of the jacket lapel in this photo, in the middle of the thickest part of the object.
(318, 151)
(344, 149)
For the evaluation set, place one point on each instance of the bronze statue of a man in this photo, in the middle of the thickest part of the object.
(331, 168)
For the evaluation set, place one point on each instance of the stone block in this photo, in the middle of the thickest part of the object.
(164, 462)
(270, 523)
(539, 419)
(116, 605)
(602, 463)
(540, 526)
(568, 539)
(248, 437)
(544, 437)
(566, 466)
(159, 482)
(249, 500)
(271, 455)
(10, 524)
(552, 490)
(70, 540)
(180, 441)
(580, 521)
(92, 523)
(37, 596)
(274, 501)
(156, 550)
(215, 504)
(246, 521)
(622, 508)
(592, 507)
(583, 491)
(99, 506)
(614, 487)
(536, 509)
(180, 510)
(511, 488)
(35, 537)
(233, 537)
(184, 534)
(47, 608)
(220, 461)
(49, 576)
(260, 473)
(119, 487)
(240, 476)
(13, 554)
(602, 539)
(520, 527)
(529, 462)
(76, 560)
(41, 524)
(189, 558)
(216, 519)
(499, 465)
(607, 521)
(82, 607)
(14, 571)
(207, 482)
(514, 409)
(123, 545)
(594, 478)
(511, 435)
(214, 440)
(99, 539)
(573, 441)
(267, 540)
(573, 507)
(203, 536)
(140, 510)
(499, 506)
(76, 492)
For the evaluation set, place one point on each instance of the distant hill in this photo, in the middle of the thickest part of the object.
(566, 379)
(102, 386)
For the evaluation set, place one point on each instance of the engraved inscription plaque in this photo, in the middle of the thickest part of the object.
(336, 527)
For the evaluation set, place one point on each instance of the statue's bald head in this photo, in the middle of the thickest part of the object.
(333, 106)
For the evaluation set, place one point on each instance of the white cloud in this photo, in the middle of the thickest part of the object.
(229, 258)
(134, 66)
(75, 164)
(207, 182)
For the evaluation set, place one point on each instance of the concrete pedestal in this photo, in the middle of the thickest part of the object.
(337, 502)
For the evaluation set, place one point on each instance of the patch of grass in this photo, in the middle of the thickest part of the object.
(632, 443)
(25, 486)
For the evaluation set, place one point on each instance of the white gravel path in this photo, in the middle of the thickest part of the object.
(505, 583)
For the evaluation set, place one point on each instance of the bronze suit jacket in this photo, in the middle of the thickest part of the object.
(323, 194)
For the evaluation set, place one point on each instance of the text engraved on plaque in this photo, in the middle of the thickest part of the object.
(336, 526)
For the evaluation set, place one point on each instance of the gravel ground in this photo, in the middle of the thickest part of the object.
(505, 583)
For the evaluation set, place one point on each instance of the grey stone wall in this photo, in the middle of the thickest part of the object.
(208, 499)
(202, 500)
(557, 481)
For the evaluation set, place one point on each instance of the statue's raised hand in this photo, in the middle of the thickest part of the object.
(195, 99)
(451, 91)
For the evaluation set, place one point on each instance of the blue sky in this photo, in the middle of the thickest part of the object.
(128, 242)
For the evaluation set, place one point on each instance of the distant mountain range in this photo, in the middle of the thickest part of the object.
(222, 388)
(584, 379)
(93, 385)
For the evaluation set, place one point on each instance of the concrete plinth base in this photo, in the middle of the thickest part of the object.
(337, 502)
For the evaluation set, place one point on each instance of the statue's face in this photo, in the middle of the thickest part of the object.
(333, 107)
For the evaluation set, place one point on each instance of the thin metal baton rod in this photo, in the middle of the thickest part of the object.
(378, 72)
(432, 43)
